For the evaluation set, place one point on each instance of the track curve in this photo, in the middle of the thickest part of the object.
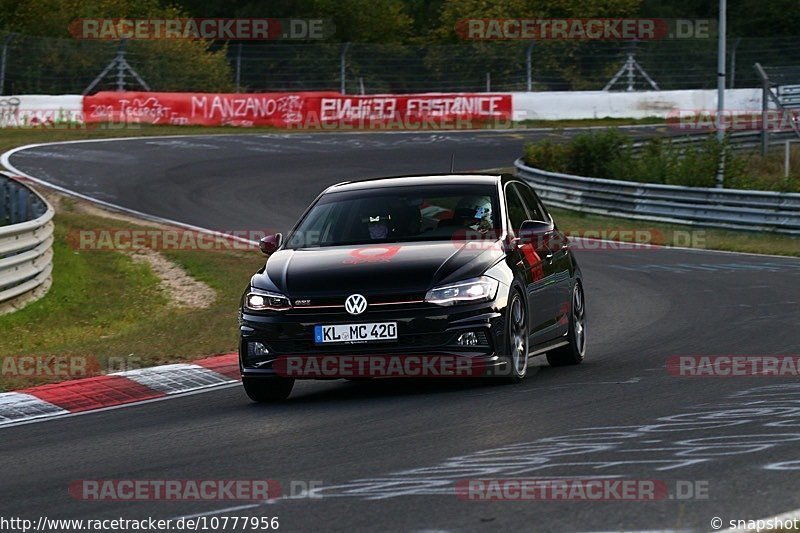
(389, 454)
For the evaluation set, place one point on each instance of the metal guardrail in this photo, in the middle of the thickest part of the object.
(739, 141)
(26, 241)
(719, 208)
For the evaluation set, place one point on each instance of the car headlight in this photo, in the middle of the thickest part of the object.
(482, 289)
(258, 300)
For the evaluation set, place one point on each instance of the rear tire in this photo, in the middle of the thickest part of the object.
(573, 352)
(268, 390)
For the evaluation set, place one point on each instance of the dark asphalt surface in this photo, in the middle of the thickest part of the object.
(388, 454)
(242, 182)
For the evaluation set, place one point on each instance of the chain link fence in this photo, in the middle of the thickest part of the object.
(37, 65)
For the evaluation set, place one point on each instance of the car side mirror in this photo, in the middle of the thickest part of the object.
(270, 243)
(534, 232)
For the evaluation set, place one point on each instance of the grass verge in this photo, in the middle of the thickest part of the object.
(610, 154)
(679, 235)
(105, 307)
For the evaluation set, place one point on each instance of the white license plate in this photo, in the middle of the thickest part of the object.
(384, 331)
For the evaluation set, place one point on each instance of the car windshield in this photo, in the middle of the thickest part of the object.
(400, 214)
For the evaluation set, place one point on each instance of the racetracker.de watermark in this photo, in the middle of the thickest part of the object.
(124, 240)
(583, 29)
(728, 366)
(214, 29)
(64, 366)
(175, 489)
(593, 489)
(588, 240)
(703, 120)
(380, 366)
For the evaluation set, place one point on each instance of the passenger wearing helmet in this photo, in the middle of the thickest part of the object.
(474, 212)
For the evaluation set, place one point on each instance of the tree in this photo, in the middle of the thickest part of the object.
(46, 46)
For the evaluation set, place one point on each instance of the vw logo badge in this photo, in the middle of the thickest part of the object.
(355, 304)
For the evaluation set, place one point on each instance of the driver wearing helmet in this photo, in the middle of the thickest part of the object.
(473, 212)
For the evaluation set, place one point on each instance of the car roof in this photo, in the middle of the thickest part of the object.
(418, 180)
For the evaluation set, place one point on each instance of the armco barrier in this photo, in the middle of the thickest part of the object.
(720, 208)
(26, 240)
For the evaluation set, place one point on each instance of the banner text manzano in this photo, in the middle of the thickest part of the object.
(296, 110)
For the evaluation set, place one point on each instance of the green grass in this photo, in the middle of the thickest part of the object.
(767, 172)
(682, 235)
(609, 154)
(103, 305)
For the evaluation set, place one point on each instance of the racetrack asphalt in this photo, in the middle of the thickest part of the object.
(388, 454)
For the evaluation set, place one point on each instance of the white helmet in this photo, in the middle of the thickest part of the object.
(474, 212)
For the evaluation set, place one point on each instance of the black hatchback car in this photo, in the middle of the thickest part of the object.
(417, 275)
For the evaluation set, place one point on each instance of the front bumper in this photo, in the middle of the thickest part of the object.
(426, 332)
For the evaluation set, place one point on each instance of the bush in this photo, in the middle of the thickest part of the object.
(608, 154)
(548, 155)
(593, 154)
(587, 154)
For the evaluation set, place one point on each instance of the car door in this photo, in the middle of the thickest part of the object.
(556, 264)
(528, 260)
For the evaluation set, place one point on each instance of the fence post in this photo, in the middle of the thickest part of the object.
(721, 63)
(529, 65)
(342, 85)
(488, 82)
(786, 157)
(764, 109)
(121, 65)
(6, 42)
(238, 66)
(733, 61)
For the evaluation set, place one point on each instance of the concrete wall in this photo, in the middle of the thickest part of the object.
(60, 109)
(599, 104)
(37, 109)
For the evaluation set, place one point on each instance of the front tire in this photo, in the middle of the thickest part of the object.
(268, 390)
(573, 352)
(517, 339)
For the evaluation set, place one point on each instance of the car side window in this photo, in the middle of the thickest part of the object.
(515, 208)
(319, 227)
(535, 208)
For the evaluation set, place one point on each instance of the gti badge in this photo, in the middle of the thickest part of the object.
(355, 304)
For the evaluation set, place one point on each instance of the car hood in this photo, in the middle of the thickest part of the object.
(384, 269)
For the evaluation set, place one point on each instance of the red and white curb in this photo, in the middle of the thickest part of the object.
(112, 390)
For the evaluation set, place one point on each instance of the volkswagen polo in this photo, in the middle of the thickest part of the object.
(468, 270)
